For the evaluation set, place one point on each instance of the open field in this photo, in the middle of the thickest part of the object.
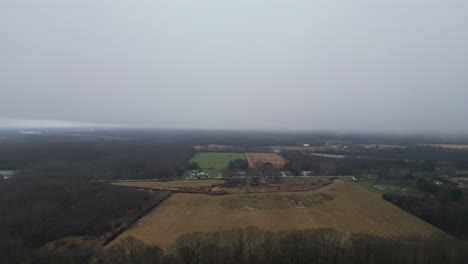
(340, 205)
(218, 148)
(297, 148)
(169, 184)
(448, 146)
(381, 146)
(389, 187)
(215, 160)
(255, 158)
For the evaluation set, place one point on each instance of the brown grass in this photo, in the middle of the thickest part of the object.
(448, 146)
(342, 206)
(255, 158)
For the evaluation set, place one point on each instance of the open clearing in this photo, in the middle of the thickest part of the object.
(170, 184)
(215, 160)
(340, 205)
(258, 158)
(448, 146)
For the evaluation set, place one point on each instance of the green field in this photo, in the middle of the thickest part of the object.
(215, 160)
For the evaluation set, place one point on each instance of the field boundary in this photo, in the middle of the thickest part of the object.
(156, 180)
(122, 229)
(208, 189)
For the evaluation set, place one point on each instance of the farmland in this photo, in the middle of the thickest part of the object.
(340, 205)
(448, 146)
(215, 160)
(260, 158)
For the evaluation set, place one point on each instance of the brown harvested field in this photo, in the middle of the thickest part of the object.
(448, 146)
(343, 206)
(257, 158)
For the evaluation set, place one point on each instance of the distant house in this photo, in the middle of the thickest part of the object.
(438, 182)
(380, 187)
(358, 178)
(372, 177)
(6, 177)
(365, 178)
(6, 174)
(306, 145)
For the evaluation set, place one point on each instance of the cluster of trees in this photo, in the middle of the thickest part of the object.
(192, 166)
(238, 165)
(266, 169)
(447, 210)
(321, 246)
(262, 169)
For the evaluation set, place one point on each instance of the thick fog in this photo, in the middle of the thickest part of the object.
(371, 65)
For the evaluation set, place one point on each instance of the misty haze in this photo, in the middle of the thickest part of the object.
(248, 131)
(397, 66)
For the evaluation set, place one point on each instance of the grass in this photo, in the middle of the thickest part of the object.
(180, 183)
(369, 185)
(215, 160)
(301, 180)
(346, 207)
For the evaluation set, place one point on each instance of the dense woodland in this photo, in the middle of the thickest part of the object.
(448, 212)
(52, 195)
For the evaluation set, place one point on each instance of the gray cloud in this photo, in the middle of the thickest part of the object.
(391, 66)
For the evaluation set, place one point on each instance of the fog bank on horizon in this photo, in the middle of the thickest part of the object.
(364, 65)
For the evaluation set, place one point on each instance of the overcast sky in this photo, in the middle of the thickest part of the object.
(360, 65)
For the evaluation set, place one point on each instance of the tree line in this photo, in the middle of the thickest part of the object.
(320, 246)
